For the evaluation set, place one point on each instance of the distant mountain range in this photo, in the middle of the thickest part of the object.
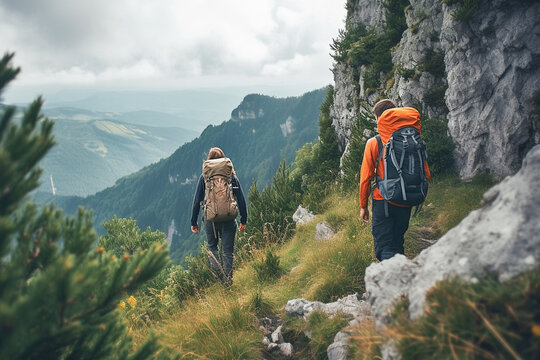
(191, 109)
(262, 132)
(95, 149)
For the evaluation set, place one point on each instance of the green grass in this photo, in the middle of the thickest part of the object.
(221, 323)
(488, 320)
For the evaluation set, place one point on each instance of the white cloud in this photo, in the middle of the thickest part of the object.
(101, 41)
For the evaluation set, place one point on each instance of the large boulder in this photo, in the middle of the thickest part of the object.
(501, 238)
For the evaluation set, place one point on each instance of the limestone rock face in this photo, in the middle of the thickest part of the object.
(485, 87)
(501, 238)
(493, 75)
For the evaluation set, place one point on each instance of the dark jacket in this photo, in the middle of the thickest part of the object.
(199, 197)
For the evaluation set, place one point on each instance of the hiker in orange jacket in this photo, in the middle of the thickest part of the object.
(388, 227)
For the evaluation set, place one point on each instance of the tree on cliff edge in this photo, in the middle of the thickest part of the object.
(58, 293)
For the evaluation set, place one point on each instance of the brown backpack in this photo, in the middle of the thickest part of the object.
(219, 204)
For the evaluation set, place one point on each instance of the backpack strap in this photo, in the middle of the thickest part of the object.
(381, 150)
(379, 158)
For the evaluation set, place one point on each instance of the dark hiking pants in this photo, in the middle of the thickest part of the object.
(226, 230)
(388, 231)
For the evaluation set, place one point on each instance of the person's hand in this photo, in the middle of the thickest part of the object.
(364, 215)
(195, 229)
(242, 227)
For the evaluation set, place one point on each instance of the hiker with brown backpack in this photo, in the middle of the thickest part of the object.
(221, 196)
(397, 160)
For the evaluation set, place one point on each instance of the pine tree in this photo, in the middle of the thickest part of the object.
(352, 160)
(58, 293)
(327, 152)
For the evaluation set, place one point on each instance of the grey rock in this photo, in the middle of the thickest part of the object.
(265, 341)
(323, 232)
(277, 336)
(286, 349)
(492, 76)
(501, 238)
(338, 349)
(350, 307)
(295, 307)
(272, 346)
(385, 288)
(302, 215)
(389, 351)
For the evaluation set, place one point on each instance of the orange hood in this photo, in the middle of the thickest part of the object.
(397, 118)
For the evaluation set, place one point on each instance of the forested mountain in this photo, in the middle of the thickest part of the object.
(94, 150)
(262, 132)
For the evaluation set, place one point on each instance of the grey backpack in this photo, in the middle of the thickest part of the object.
(404, 181)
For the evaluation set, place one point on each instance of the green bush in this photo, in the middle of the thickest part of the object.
(270, 213)
(436, 97)
(269, 268)
(125, 237)
(352, 160)
(439, 146)
(434, 64)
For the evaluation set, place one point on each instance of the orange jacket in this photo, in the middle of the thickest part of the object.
(389, 121)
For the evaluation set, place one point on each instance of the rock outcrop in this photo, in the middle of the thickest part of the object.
(502, 238)
(350, 307)
(323, 231)
(302, 216)
(481, 74)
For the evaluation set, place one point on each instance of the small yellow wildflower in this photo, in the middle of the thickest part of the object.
(132, 301)
(126, 256)
(133, 316)
(100, 249)
(536, 330)
(102, 326)
(113, 258)
(138, 271)
(122, 304)
(68, 263)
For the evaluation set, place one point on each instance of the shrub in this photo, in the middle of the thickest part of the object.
(352, 159)
(436, 97)
(268, 268)
(434, 64)
(270, 213)
(439, 146)
(125, 237)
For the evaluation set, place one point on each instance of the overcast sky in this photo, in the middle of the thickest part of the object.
(168, 44)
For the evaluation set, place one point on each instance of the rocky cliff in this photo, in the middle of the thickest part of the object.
(476, 66)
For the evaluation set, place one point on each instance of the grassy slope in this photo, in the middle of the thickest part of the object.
(222, 324)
